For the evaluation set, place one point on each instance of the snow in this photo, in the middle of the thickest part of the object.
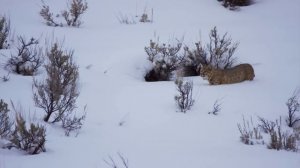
(152, 134)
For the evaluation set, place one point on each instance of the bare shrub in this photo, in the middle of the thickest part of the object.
(280, 139)
(250, 135)
(266, 126)
(5, 123)
(75, 9)
(28, 57)
(72, 15)
(218, 53)
(216, 108)
(48, 16)
(58, 93)
(145, 17)
(293, 105)
(4, 32)
(290, 142)
(72, 123)
(32, 139)
(124, 19)
(221, 50)
(165, 59)
(196, 57)
(114, 164)
(184, 99)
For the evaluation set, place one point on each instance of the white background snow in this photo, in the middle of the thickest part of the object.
(154, 135)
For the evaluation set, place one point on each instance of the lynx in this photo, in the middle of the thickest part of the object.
(236, 74)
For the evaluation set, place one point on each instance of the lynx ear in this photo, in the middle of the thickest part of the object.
(209, 66)
(202, 65)
(198, 68)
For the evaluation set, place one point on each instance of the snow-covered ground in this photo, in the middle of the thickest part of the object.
(153, 134)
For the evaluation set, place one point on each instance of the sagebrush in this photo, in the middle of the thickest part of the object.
(165, 59)
(28, 57)
(184, 99)
(58, 93)
(5, 122)
(32, 139)
(4, 32)
(250, 134)
(72, 123)
(75, 9)
(72, 16)
(218, 53)
(145, 17)
(48, 16)
(279, 138)
(293, 105)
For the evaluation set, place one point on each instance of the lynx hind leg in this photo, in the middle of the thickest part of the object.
(251, 74)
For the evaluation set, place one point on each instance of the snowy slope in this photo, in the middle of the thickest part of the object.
(154, 135)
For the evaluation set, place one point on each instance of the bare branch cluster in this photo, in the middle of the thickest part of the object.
(165, 59)
(48, 16)
(218, 53)
(5, 123)
(266, 126)
(144, 18)
(281, 139)
(32, 139)
(4, 32)
(58, 93)
(28, 57)
(293, 105)
(184, 99)
(114, 164)
(221, 50)
(124, 19)
(250, 134)
(74, 123)
(72, 15)
(196, 57)
(216, 108)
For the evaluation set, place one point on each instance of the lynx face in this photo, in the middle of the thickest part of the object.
(205, 71)
(236, 74)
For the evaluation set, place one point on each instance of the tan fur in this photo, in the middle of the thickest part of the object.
(236, 74)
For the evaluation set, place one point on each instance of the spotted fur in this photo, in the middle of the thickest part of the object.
(236, 74)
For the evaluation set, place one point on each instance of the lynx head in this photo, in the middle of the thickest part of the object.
(205, 70)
